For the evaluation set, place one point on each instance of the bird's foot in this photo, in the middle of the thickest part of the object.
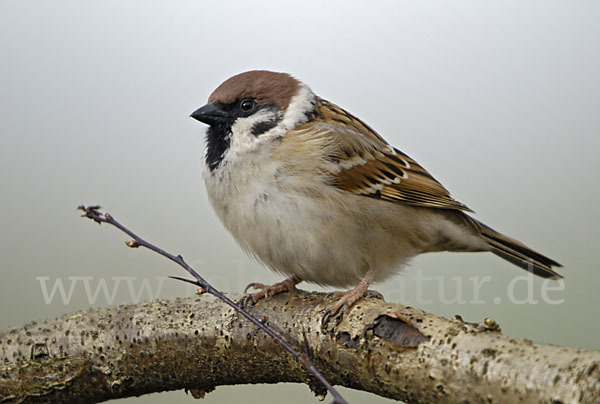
(288, 285)
(349, 298)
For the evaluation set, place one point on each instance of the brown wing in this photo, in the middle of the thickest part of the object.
(369, 166)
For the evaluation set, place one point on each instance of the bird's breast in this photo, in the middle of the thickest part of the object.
(293, 228)
(306, 227)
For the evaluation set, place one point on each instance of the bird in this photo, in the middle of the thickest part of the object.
(317, 195)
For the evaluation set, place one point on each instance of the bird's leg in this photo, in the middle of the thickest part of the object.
(271, 290)
(347, 299)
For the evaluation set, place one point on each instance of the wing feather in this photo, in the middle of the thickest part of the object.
(369, 166)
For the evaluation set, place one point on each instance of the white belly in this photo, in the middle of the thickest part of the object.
(320, 234)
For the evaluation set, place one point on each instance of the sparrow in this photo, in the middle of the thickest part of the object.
(317, 195)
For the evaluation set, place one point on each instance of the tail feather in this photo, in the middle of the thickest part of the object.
(518, 253)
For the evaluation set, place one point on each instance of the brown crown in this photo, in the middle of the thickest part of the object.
(264, 86)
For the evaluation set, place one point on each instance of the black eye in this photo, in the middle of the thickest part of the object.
(247, 105)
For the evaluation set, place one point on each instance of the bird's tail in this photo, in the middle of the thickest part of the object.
(516, 252)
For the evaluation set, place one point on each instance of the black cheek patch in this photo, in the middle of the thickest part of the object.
(261, 127)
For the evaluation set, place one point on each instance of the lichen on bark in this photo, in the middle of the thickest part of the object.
(199, 343)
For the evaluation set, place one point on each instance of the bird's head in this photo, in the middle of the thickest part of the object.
(250, 110)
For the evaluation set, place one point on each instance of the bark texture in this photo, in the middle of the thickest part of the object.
(199, 343)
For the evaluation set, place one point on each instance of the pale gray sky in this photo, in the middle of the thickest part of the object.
(498, 99)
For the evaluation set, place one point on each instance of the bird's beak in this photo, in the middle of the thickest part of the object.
(210, 114)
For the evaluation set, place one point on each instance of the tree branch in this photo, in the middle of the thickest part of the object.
(93, 213)
(199, 343)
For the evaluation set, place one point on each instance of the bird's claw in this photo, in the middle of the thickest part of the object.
(330, 314)
(373, 294)
(247, 300)
(255, 285)
(266, 291)
(345, 303)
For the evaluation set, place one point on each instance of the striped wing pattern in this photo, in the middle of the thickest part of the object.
(369, 166)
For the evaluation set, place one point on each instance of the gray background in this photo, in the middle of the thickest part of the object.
(498, 99)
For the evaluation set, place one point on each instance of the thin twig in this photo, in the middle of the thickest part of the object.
(91, 212)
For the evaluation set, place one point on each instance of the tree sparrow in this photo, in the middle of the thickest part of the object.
(316, 194)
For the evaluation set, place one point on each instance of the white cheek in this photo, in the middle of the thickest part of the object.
(244, 145)
(242, 139)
